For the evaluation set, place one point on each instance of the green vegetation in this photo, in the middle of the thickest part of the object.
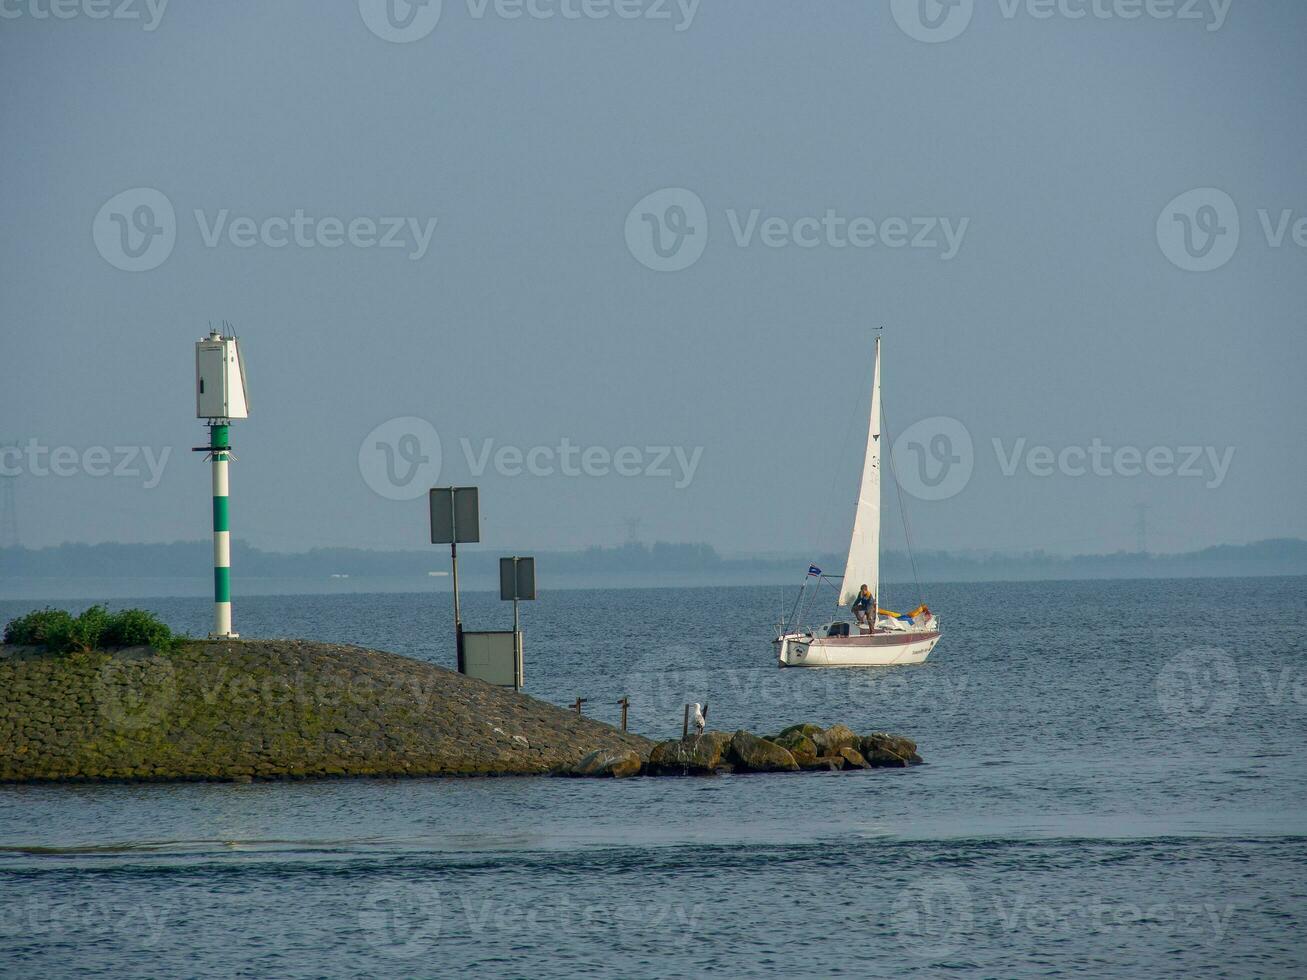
(95, 629)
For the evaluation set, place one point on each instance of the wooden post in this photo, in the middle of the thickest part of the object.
(576, 705)
(685, 725)
(624, 703)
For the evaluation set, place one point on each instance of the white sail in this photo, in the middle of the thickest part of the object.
(863, 566)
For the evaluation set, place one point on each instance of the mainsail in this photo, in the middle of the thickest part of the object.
(863, 567)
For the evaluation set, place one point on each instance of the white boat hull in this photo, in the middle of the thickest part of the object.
(890, 648)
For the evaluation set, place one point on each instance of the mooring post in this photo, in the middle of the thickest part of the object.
(624, 703)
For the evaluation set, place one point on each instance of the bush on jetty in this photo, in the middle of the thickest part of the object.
(96, 628)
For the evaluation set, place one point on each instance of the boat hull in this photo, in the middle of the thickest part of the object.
(883, 649)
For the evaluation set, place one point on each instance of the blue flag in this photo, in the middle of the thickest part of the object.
(814, 570)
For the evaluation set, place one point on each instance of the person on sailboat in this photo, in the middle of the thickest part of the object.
(864, 606)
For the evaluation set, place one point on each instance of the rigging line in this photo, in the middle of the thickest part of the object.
(903, 510)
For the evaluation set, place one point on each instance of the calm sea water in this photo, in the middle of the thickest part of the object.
(1114, 786)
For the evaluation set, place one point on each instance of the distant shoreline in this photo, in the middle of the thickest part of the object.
(183, 568)
(40, 590)
(633, 565)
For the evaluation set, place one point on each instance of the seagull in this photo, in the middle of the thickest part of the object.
(697, 717)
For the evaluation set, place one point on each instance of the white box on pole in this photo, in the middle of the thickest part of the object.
(220, 379)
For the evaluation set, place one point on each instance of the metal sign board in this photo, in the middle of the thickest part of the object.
(517, 578)
(494, 657)
(455, 515)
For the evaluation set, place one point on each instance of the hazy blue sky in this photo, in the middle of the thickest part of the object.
(1062, 310)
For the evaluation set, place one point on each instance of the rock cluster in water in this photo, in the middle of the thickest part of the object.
(799, 747)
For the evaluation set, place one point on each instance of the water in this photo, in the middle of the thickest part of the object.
(1114, 785)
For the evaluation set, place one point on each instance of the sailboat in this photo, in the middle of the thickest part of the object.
(887, 638)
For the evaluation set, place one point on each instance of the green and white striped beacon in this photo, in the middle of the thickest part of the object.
(220, 396)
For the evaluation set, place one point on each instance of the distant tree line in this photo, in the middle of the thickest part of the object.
(192, 559)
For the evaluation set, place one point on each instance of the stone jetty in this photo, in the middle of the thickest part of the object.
(238, 710)
(291, 709)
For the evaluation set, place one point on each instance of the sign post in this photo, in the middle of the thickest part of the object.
(517, 581)
(455, 520)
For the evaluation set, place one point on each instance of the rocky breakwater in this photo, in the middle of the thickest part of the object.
(798, 748)
(275, 709)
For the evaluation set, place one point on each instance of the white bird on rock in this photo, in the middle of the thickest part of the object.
(698, 718)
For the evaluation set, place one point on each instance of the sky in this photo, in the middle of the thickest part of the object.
(620, 264)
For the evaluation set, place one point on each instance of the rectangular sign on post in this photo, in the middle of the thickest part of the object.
(455, 515)
(494, 657)
(517, 578)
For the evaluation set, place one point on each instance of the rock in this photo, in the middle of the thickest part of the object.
(830, 741)
(797, 743)
(804, 729)
(750, 753)
(606, 762)
(694, 755)
(826, 763)
(853, 758)
(882, 750)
